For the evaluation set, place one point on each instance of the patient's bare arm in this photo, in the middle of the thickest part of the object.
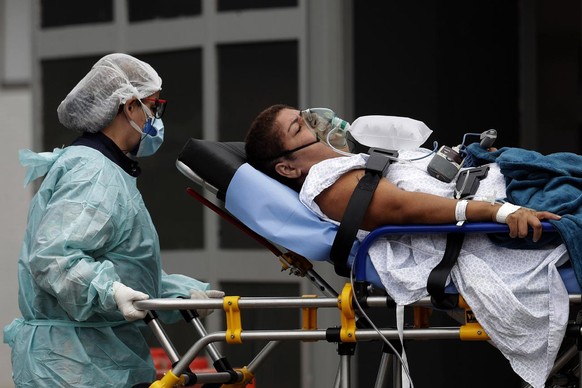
(391, 205)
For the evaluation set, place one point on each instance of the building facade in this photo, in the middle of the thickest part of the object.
(459, 67)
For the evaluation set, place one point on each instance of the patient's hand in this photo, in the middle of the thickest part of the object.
(523, 218)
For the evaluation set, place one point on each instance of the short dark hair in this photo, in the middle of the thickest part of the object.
(263, 143)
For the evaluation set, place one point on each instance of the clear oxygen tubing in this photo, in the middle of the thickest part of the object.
(487, 138)
(465, 137)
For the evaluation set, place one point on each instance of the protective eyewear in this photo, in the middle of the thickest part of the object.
(159, 106)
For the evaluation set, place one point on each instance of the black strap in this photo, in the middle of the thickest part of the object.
(351, 221)
(376, 167)
(437, 280)
(467, 184)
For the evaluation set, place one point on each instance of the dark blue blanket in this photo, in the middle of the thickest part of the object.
(542, 182)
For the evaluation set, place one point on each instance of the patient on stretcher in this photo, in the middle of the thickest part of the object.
(517, 295)
(280, 144)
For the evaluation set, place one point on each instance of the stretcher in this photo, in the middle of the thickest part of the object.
(272, 214)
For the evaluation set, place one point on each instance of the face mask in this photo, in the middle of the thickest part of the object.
(152, 134)
(151, 140)
(325, 124)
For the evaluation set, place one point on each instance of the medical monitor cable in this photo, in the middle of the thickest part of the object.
(369, 320)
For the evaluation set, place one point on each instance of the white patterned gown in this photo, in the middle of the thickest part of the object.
(517, 295)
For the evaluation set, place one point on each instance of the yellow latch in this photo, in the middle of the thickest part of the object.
(309, 316)
(169, 380)
(248, 376)
(471, 330)
(348, 329)
(297, 264)
(233, 320)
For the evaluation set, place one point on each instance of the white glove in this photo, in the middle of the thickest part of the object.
(197, 294)
(124, 297)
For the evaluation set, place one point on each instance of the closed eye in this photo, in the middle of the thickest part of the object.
(300, 124)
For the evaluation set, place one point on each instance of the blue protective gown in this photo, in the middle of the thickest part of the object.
(87, 227)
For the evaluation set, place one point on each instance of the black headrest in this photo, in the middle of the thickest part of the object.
(214, 161)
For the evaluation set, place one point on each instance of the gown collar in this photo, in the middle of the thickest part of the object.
(107, 147)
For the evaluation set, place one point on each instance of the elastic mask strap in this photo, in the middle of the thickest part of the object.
(300, 147)
(289, 152)
(147, 111)
(135, 126)
(148, 116)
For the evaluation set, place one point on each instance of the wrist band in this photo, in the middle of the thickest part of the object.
(505, 210)
(461, 210)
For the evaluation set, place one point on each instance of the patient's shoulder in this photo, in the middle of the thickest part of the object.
(328, 171)
(333, 200)
(325, 174)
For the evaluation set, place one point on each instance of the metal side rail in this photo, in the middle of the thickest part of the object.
(345, 334)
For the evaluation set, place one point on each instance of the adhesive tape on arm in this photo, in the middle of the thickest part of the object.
(505, 210)
(461, 210)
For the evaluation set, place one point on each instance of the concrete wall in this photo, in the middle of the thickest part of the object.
(17, 132)
(15, 110)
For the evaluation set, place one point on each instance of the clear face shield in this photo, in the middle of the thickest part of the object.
(327, 126)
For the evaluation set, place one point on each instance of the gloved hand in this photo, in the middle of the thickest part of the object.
(124, 297)
(197, 294)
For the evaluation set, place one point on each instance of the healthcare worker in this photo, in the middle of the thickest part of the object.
(90, 248)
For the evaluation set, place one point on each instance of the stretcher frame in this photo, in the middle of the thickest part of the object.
(348, 302)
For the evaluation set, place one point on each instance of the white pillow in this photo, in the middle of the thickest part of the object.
(390, 132)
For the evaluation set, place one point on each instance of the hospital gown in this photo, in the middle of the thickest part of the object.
(87, 227)
(517, 295)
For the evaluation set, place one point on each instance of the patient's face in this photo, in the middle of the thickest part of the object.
(293, 129)
(295, 133)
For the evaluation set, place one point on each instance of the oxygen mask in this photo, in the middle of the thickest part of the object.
(327, 126)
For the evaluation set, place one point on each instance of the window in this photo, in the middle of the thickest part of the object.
(177, 216)
(58, 13)
(252, 77)
(59, 76)
(141, 10)
(237, 5)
